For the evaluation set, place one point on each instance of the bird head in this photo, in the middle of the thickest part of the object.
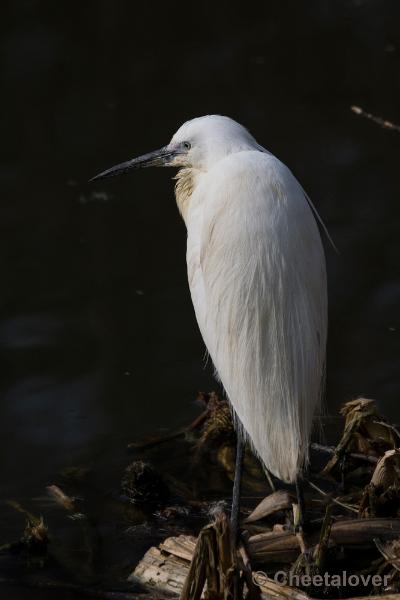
(197, 144)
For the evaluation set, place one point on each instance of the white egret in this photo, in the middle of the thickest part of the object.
(257, 278)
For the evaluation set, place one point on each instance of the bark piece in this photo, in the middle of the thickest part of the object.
(279, 500)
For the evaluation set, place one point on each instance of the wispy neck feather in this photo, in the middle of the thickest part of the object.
(183, 189)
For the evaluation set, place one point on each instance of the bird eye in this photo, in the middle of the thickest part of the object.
(187, 145)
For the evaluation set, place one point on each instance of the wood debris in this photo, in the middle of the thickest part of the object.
(370, 544)
(280, 500)
(180, 482)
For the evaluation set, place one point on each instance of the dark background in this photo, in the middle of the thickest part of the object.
(98, 341)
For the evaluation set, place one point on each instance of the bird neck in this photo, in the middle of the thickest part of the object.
(183, 189)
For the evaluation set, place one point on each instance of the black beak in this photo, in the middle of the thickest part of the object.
(158, 158)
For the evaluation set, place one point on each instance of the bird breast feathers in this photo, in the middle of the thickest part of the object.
(183, 189)
(256, 272)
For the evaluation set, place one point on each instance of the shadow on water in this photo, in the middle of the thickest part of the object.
(98, 342)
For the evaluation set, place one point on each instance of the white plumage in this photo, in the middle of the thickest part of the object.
(257, 277)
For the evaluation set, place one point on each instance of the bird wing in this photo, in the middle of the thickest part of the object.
(257, 277)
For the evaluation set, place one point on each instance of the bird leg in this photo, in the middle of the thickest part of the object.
(236, 490)
(300, 522)
(301, 526)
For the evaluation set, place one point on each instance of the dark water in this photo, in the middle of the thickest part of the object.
(98, 342)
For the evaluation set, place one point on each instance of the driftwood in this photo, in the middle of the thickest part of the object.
(164, 572)
(271, 590)
(167, 568)
(282, 547)
(184, 565)
(161, 571)
(364, 480)
(182, 546)
(216, 573)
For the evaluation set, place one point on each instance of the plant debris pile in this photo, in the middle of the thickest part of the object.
(168, 518)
